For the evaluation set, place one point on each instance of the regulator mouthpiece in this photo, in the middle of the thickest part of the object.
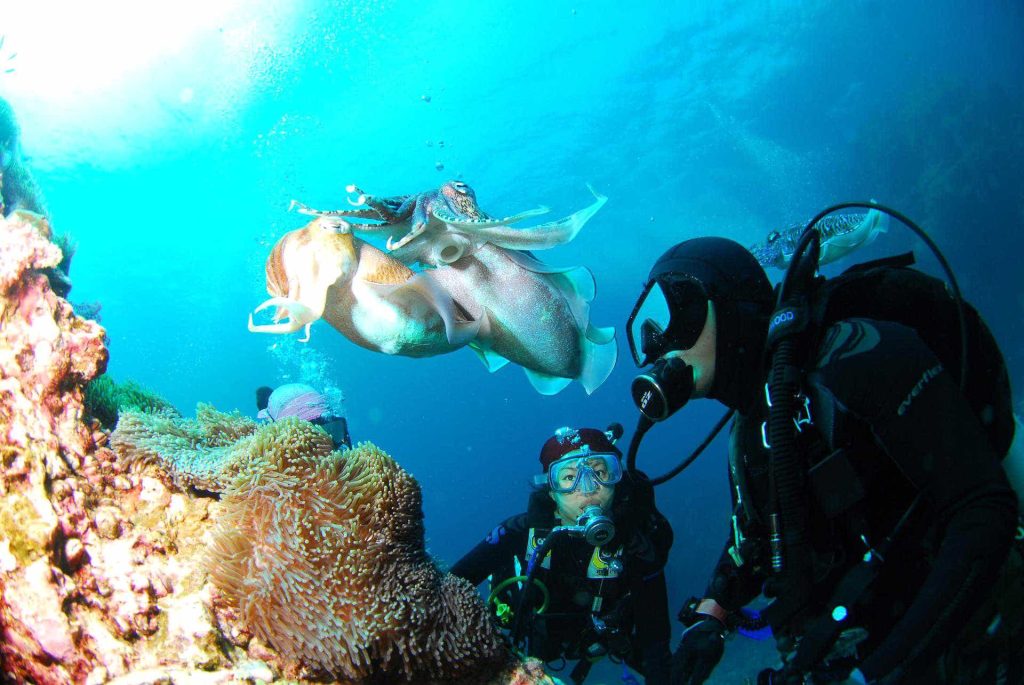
(663, 390)
(598, 528)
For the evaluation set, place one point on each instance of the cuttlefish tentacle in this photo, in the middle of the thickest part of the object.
(405, 240)
(388, 209)
(421, 211)
(351, 213)
(299, 316)
(448, 223)
(369, 296)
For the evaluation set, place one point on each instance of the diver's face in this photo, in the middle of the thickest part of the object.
(701, 357)
(569, 505)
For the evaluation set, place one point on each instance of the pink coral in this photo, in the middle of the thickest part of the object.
(47, 354)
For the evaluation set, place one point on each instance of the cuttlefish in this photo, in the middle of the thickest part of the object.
(841, 234)
(438, 227)
(536, 317)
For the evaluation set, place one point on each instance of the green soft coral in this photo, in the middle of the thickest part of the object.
(105, 399)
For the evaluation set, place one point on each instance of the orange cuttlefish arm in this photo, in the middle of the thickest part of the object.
(323, 271)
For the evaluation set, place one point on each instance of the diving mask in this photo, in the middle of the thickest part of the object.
(669, 315)
(582, 471)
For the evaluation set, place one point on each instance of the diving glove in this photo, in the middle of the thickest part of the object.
(699, 651)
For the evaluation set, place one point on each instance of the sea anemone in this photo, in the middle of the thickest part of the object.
(201, 452)
(322, 554)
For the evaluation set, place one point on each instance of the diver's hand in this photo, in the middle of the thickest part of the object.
(698, 653)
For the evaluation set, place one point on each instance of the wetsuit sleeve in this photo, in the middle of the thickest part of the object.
(732, 586)
(494, 552)
(653, 628)
(648, 546)
(885, 376)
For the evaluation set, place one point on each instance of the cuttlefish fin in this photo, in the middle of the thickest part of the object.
(545, 384)
(599, 356)
(543, 236)
(491, 359)
(298, 315)
(453, 221)
(598, 349)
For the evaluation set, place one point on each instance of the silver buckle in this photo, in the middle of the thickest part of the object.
(806, 419)
(803, 418)
(737, 542)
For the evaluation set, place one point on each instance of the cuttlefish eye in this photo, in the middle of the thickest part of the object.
(334, 225)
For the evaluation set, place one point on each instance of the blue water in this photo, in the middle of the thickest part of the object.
(170, 141)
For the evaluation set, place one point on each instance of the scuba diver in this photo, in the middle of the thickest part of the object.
(580, 575)
(301, 400)
(869, 499)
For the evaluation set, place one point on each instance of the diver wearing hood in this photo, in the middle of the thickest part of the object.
(702, 281)
(906, 514)
(592, 546)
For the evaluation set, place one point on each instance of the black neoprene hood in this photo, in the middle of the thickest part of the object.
(742, 295)
(725, 268)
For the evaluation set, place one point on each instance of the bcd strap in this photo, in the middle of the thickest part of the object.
(835, 483)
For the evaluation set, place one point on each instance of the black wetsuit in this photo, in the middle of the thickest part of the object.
(878, 392)
(632, 608)
(337, 428)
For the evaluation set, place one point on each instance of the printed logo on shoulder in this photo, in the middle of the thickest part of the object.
(925, 379)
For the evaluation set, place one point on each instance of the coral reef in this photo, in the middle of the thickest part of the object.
(322, 553)
(105, 399)
(103, 559)
(47, 354)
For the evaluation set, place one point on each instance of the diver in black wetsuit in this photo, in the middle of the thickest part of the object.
(604, 600)
(906, 514)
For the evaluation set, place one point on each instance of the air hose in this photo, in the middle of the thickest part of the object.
(787, 522)
(516, 633)
(502, 610)
(644, 424)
